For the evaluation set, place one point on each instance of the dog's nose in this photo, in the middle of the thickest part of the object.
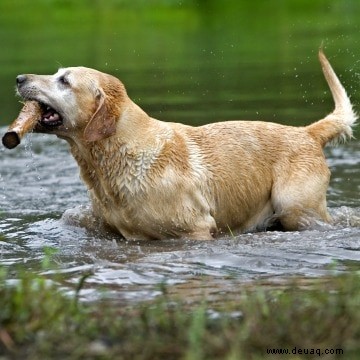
(20, 79)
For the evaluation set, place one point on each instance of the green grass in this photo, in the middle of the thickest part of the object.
(37, 321)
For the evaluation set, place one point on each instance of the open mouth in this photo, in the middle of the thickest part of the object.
(50, 117)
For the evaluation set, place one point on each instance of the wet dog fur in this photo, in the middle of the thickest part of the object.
(150, 179)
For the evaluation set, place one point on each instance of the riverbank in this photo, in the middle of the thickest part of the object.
(38, 321)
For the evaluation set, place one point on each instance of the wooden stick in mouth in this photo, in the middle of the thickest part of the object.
(25, 122)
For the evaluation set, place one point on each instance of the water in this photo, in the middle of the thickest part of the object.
(44, 201)
(193, 62)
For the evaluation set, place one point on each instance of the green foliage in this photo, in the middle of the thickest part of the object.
(38, 321)
(323, 317)
(31, 304)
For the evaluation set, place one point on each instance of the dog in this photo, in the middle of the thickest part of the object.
(150, 179)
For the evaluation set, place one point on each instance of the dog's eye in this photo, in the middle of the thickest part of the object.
(63, 80)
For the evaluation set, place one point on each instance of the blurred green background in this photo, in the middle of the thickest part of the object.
(193, 61)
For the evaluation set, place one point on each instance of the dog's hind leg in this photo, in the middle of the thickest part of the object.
(300, 200)
(298, 217)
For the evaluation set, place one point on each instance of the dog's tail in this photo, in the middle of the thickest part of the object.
(336, 126)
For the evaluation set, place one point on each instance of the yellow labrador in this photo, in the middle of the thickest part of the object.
(150, 179)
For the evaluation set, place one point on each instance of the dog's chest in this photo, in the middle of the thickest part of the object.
(134, 173)
(122, 171)
(142, 195)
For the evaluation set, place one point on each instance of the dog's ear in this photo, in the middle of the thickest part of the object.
(103, 122)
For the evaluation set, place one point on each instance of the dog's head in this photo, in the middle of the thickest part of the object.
(76, 102)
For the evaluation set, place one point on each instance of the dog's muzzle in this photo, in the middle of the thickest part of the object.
(50, 117)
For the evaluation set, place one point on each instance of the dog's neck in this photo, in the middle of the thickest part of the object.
(138, 131)
(137, 145)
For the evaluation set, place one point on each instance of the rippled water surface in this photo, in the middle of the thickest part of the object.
(41, 191)
(193, 62)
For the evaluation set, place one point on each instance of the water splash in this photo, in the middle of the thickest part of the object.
(131, 271)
